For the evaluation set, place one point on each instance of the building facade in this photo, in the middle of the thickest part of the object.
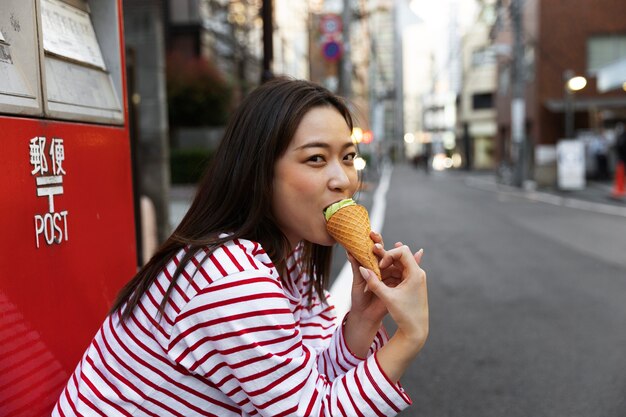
(476, 126)
(577, 37)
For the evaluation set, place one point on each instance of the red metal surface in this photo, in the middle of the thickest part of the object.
(54, 297)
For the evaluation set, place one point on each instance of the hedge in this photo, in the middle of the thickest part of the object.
(187, 165)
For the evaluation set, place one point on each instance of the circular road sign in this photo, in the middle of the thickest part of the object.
(330, 24)
(332, 50)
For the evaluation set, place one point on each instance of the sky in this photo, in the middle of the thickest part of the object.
(435, 13)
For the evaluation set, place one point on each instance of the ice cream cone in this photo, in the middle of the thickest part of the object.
(350, 227)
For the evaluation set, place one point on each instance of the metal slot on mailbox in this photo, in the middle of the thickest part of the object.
(19, 59)
(81, 82)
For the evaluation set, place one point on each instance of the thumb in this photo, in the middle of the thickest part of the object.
(373, 283)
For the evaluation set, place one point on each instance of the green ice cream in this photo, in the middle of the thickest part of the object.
(332, 209)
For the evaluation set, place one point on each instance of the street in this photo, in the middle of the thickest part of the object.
(526, 298)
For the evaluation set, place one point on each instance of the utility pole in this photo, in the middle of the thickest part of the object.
(345, 64)
(268, 41)
(518, 102)
(569, 105)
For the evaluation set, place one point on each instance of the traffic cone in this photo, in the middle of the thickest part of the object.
(618, 187)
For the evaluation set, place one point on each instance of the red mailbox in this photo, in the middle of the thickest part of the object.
(66, 215)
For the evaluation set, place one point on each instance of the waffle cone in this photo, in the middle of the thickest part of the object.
(350, 227)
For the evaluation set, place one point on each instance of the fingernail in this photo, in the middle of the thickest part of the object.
(378, 245)
(366, 289)
(364, 273)
(421, 250)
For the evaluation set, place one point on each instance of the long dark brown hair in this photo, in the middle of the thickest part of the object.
(235, 194)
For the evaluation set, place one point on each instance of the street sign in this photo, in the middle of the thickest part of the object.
(570, 164)
(332, 50)
(330, 24)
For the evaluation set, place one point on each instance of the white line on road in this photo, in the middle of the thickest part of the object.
(340, 290)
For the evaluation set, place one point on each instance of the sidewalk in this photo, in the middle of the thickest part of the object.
(596, 196)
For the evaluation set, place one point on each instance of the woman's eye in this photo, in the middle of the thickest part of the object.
(350, 156)
(316, 159)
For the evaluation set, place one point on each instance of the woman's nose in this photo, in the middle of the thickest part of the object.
(340, 178)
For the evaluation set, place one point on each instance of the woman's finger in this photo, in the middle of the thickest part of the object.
(386, 260)
(354, 264)
(379, 288)
(376, 237)
(379, 250)
(402, 258)
(418, 255)
(392, 282)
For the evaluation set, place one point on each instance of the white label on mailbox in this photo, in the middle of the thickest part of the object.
(50, 227)
(68, 32)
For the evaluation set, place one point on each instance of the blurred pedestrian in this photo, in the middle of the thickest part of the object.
(426, 157)
(620, 143)
(599, 151)
(230, 316)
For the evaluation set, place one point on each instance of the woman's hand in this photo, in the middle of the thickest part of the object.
(368, 310)
(365, 304)
(407, 300)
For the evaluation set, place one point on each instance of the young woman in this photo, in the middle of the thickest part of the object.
(230, 317)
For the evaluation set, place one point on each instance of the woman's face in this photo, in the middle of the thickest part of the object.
(316, 170)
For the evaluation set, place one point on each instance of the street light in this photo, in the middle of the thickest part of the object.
(576, 83)
(572, 85)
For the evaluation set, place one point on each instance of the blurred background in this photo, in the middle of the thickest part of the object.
(453, 84)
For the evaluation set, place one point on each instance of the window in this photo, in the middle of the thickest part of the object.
(504, 80)
(483, 56)
(482, 101)
(604, 50)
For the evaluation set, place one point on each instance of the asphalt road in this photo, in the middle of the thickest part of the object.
(527, 301)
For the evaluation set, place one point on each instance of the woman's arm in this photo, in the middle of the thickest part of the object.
(407, 303)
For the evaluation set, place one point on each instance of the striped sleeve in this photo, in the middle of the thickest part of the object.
(337, 358)
(320, 332)
(240, 334)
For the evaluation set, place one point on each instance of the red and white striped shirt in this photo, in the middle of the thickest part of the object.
(233, 341)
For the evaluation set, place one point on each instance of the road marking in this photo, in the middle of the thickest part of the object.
(340, 290)
(547, 198)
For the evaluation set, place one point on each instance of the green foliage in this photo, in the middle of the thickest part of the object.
(187, 165)
(197, 94)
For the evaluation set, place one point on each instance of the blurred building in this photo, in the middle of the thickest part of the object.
(439, 110)
(360, 56)
(476, 125)
(227, 33)
(291, 38)
(385, 77)
(578, 36)
(417, 78)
